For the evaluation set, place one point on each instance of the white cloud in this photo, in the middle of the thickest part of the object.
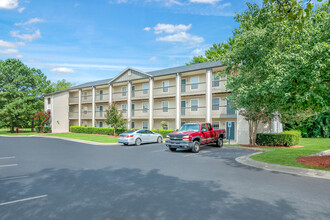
(7, 44)
(170, 28)
(147, 28)
(62, 70)
(8, 51)
(27, 37)
(118, 1)
(204, 1)
(153, 58)
(19, 56)
(182, 37)
(31, 21)
(8, 4)
(20, 10)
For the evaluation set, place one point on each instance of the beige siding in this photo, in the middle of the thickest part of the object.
(60, 118)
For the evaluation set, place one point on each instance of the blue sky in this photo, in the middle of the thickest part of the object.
(89, 40)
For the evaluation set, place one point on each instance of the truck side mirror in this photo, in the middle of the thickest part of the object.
(177, 130)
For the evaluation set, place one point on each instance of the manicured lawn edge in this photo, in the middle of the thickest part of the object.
(287, 157)
(86, 137)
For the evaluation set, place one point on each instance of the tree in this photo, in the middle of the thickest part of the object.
(21, 91)
(114, 118)
(61, 84)
(164, 124)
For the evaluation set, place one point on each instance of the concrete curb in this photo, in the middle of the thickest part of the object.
(246, 160)
(67, 139)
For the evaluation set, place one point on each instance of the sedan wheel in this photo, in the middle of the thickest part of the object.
(159, 140)
(138, 142)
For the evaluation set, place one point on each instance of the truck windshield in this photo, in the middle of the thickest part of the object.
(188, 127)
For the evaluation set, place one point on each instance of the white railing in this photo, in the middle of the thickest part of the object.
(164, 91)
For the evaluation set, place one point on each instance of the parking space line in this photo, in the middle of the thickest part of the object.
(13, 178)
(9, 165)
(3, 158)
(22, 200)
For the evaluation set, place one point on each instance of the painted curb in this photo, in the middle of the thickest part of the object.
(66, 139)
(246, 160)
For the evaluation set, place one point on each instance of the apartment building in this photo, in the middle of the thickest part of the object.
(178, 95)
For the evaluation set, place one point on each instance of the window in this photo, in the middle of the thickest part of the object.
(49, 101)
(165, 106)
(182, 123)
(101, 94)
(124, 91)
(145, 88)
(203, 129)
(124, 108)
(215, 104)
(190, 127)
(101, 111)
(133, 124)
(145, 125)
(85, 95)
(101, 124)
(183, 85)
(215, 80)
(165, 86)
(216, 125)
(194, 83)
(148, 132)
(85, 110)
(145, 107)
(209, 127)
(133, 91)
(194, 105)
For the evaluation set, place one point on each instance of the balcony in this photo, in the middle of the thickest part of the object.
(193, 112)
(86, 99)
(100, 115)
(102, 97)
(164, 113)
(73, 115)
(140, 113)
(164, 91)
(219, 85)
(223, 112)
(193, 88)
(74, 100)
(140, 94)
(86, 115)
(119, 96)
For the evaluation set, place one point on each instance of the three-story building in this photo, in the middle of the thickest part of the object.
(193, 93)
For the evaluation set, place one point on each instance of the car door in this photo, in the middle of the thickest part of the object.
(204, 134)
(142, 135)
(151, 136)
(211, 134)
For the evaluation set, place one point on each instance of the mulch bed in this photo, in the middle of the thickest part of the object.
(316, 161)
(247, 145)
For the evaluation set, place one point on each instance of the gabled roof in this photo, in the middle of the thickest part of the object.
(162, 72)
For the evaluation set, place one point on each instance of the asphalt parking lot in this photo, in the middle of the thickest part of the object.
(44, 178)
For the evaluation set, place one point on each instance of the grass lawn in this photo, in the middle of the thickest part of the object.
(6, 131)
(86, 137)
(288, 157)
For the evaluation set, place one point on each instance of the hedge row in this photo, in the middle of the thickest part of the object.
(92, 130)
(109, 131)
(285, 140)
(294, 132)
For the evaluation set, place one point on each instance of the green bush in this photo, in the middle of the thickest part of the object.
(163, 132)
(91, 130)
(294, 132)
(46, 129)
(285, 140)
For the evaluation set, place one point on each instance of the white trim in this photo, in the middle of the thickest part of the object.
(127, 69)
(151, 103)
(93, 106)
(79, 107)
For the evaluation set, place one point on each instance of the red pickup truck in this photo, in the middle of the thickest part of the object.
(192, 135)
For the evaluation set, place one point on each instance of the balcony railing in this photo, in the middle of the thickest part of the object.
(193, 88)
(193, 111)
(73, 100)
(100, 115)
(86, 114)
(102, 97)
(119, 96)
(140, 113)
(86, 99)
(160, 113)
(73, 115)
(219, 85)
(140, 94)
(164, 91)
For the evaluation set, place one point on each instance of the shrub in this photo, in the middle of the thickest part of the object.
(46, 129)
(294, 132)
(285, 140)
(163, 132)
(91, 130)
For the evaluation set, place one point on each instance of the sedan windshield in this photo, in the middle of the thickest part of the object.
(189, 127)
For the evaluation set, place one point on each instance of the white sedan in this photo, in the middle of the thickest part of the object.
(138, 137)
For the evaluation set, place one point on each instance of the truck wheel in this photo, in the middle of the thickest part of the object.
(172, 149)
(196, 146)
(220, 142)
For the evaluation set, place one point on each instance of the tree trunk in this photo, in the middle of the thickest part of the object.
(114, 131)
(16, 129)
(12, 128)
(253, 128)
